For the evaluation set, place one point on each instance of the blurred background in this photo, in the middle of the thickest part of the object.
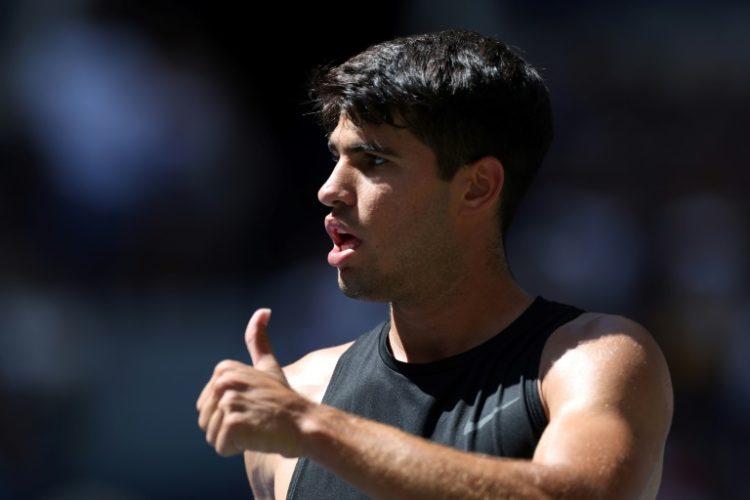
(158, 178)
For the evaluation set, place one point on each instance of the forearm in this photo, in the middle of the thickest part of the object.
(387, 463)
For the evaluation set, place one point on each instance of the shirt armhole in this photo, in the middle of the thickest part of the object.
(302, 461)
(535, 407)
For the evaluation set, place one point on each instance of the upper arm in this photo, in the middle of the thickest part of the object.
(607, 389)
(311, 374)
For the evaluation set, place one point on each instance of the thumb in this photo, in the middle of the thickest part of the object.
(258, 345)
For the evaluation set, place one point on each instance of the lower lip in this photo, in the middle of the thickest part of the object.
(337, 256)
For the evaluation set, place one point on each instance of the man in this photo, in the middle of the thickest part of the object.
(473, 388)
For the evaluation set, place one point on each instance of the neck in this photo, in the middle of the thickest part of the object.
(471, 311)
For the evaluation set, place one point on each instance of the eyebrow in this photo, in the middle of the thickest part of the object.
(363, 147)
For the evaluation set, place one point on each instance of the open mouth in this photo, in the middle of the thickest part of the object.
(344, 243)
(344, 240)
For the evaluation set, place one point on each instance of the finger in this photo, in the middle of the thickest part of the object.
(226, 444)
(221, 381)
(258, 345)
(206, 411)
(214, 425)
(210, 401)
(221, 367)
(207, 403)
(203, 395)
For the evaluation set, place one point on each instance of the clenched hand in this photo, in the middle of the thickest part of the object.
(247, 407)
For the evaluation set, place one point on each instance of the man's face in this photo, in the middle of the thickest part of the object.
(392, 219)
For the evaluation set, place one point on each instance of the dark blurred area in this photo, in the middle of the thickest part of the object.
(158, 183)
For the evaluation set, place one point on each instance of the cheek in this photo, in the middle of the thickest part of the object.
(390, 213)
(377, 205)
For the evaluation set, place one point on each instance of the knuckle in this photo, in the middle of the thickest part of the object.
(233, 420)
(220, 381)
(229, 397)
(223, 366)
(224, 382)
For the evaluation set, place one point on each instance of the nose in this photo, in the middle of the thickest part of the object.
(338, 189)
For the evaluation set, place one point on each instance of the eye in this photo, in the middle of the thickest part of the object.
(375, 161)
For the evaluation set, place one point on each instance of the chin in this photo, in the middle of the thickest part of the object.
(360, 291)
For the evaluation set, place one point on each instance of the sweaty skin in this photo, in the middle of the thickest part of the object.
(604, 382)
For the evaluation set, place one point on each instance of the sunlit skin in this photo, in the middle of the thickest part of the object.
(424, 248)
(427, 246)
(394, 202)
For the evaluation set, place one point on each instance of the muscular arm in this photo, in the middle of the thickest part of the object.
(387, 463)
(609, 398)
(609, 402)
(608, 395)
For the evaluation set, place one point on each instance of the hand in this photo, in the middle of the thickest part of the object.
(252, 407)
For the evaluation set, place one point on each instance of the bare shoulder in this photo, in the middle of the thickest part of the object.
(310, 374)
(605, 338)
(608, 357)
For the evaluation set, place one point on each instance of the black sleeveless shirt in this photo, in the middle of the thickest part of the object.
(485, 400)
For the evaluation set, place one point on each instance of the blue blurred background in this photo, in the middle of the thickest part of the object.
(158, 183)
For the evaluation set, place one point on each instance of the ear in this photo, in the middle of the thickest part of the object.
(483, 183)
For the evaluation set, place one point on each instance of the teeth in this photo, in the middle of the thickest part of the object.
(340, 235)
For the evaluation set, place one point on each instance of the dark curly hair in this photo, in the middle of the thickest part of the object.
(463, 94)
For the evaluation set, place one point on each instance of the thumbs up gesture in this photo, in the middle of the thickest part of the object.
(246, 407)
(259, 347)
